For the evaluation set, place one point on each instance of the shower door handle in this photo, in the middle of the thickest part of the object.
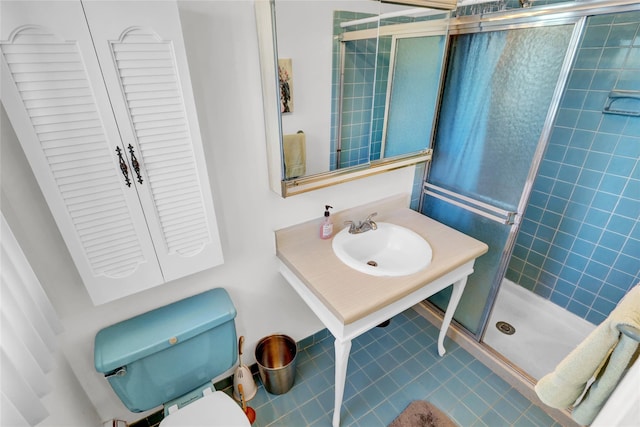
(481, 208)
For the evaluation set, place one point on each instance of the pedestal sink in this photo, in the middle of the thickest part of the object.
(348, 302)
(390, 250)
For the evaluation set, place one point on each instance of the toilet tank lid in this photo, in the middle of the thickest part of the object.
(138, 337)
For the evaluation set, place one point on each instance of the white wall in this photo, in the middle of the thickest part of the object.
(68, 404)
(221, 45)
(623, 407)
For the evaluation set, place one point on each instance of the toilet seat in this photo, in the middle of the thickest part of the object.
(213, 410)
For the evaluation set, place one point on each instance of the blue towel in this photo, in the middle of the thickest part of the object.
(595, 398)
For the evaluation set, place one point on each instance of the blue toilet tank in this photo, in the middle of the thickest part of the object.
(163, 354)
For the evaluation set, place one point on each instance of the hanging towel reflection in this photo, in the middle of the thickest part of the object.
(605, 355)
(295, 155)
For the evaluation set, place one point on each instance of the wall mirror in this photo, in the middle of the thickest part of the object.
(350, 88)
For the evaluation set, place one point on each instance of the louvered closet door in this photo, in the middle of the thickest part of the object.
(141, 52)
(55, 97)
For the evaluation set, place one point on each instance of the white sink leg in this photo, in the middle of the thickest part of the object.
(456, 293)
(342, 349)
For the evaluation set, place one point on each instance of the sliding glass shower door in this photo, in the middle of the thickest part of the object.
(495, 109)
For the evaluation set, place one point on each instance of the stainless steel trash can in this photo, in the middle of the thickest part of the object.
(276, 358)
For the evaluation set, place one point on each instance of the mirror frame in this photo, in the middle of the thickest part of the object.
(432, 4)
(265, 18)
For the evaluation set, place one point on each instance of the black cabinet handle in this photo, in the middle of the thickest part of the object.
(123, 167)
(134, 163)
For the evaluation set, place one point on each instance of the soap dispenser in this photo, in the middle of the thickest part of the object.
(326, 228)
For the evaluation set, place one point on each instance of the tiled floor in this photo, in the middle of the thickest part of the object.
(388, 368)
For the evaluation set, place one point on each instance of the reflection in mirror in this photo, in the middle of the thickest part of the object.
(347, 110)
(408, 70)
(304, 32)
(355, 53)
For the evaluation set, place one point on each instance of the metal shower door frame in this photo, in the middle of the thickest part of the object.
(559, 13)
(510, 218)
(543, 141)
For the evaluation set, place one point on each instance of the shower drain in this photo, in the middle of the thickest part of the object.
(505, 328)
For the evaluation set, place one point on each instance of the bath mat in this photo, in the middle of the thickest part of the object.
(422, 414)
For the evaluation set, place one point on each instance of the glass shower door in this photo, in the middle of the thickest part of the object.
(496, 101)
(413, 94)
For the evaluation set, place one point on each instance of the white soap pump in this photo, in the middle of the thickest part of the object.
(326, 228)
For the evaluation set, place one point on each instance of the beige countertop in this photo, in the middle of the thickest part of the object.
(351, 295)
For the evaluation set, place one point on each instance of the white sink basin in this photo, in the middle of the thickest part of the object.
(391, 250)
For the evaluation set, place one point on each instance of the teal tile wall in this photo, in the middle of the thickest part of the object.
(579, 244)
(357, 101)
(380, 95)
(358, 92)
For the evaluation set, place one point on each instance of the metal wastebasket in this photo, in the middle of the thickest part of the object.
(276, 358)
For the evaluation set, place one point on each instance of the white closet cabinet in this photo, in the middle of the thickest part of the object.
(100, 97)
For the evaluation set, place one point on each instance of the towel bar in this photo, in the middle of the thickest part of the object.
(630, 331)
(623, 102)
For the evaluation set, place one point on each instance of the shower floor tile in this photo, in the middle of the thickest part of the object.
(382, 381)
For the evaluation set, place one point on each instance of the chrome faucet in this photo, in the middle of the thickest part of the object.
(363, 226)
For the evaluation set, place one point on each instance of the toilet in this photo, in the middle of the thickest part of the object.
(169, 356)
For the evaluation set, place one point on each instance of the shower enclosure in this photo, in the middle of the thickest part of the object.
(491, 134)
(505, 79)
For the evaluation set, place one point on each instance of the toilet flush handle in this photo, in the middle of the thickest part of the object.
(120, 372)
